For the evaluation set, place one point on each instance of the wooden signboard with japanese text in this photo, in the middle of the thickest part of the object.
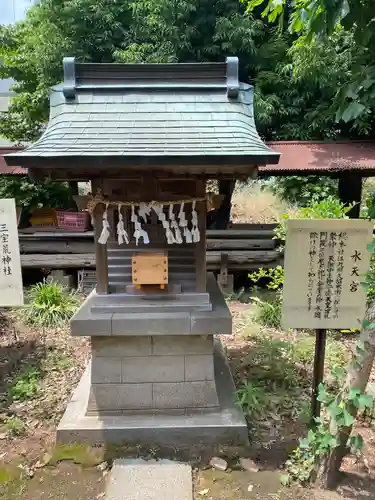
(325, 264)
(11, 288)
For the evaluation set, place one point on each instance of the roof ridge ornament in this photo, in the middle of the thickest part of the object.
(69, 89)
(73, 79)
(233, 85)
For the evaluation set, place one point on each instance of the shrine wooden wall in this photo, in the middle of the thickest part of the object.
(187, 262)
(248, 246)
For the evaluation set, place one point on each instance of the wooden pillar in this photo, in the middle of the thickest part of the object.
(73, 185)
(350, 191)
(222, 216)
(200, 247)
(101, 260)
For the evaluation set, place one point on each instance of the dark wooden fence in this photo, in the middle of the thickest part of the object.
(239, 248)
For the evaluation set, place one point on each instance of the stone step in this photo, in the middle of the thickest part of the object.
(123, 299)
(152, 480)
(146, 306)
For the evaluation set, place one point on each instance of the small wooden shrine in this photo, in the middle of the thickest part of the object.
(148, 137)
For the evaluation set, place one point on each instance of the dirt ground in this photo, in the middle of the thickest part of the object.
(44, 367)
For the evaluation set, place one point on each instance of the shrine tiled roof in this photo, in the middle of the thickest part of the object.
(188, 113)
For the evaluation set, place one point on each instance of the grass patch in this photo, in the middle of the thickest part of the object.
(15, 426)
(7, 475)
(57, 360)
(49, 304)
(270, 361)
(38, 388)
(268, 313)
(81, 454)
(274, 376)
(269, 380)
(303, 351)
(251, 398)
(26, 384)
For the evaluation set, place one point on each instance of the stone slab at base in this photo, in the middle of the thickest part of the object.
(151, 480)
(92, 320)
(227, 426)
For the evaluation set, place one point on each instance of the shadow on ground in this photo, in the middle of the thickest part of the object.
(354, 486)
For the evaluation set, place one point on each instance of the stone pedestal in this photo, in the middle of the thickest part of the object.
(152, 373)
(155, 377)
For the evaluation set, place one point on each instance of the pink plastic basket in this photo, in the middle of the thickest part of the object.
(73, 221)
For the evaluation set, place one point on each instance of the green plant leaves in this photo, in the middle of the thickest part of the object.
(304, 191)
(352, 111)
(335, 410)
(365, 401)
(319, 441)
(324, 396)
(251, 398)
(360, 348)
(274, 274)
(33, 195)
(356, 443)
(285, 479)
(304, 444)
(310, 436)
(26, 384)
(338, 372)
(348, 418)
(49, 304)
(354, 394)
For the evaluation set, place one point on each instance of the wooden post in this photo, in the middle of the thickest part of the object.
(200, 247)
(350, 190)
(73, 185)
(101, 259)
(318, 375)
(222, 216)
(100, 253)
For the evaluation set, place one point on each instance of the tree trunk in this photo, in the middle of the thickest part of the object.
(350, 191)
(357, 378)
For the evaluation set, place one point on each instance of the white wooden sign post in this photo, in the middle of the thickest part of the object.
(11, 288)
(325, 264)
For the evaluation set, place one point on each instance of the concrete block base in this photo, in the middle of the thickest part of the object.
(152, 373)
(224, 426)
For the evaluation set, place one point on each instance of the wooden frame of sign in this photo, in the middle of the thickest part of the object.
(325, 264)
(11, 287)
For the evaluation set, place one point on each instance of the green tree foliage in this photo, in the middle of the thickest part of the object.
(290, 103)
(317, 23)
(112, 31)
(30, 195)
(32, 53)
(303, 190)
(299, 98)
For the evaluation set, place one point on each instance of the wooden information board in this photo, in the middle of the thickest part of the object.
(11, 289)
(325, 264)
